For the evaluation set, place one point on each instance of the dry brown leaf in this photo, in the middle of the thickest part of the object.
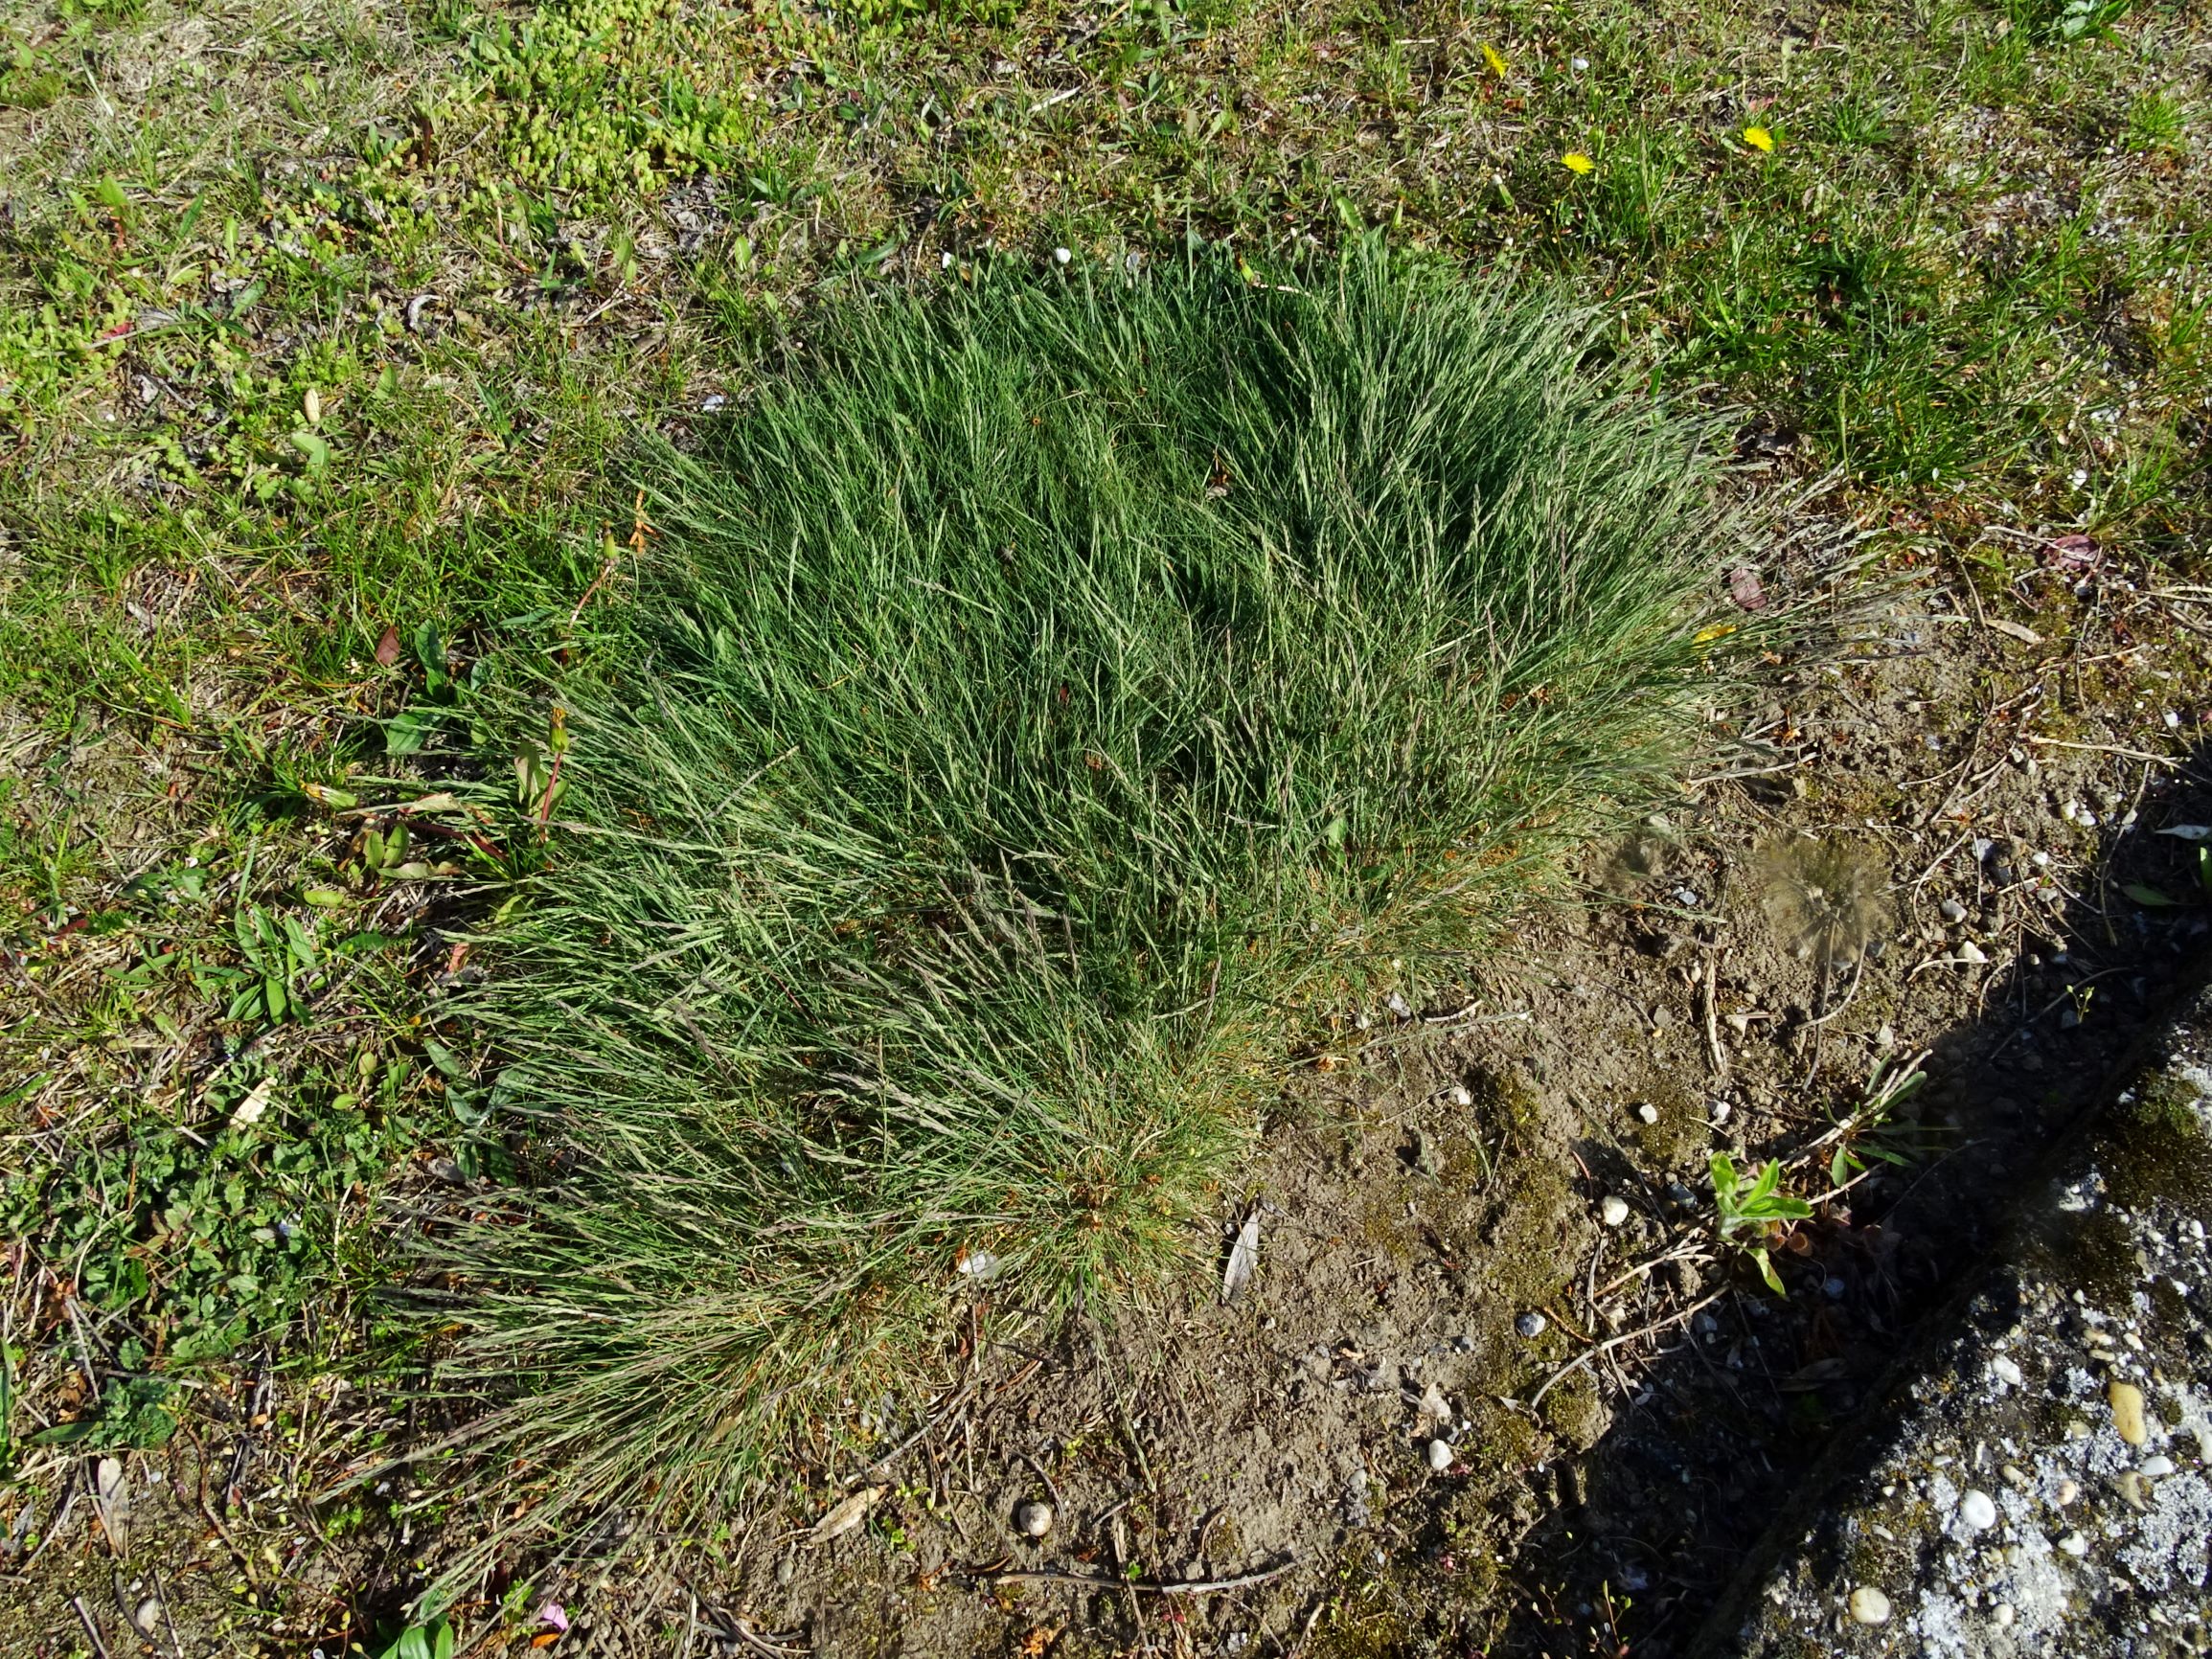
(847, 1515)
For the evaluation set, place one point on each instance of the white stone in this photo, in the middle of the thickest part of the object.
(2006, 1370)
(2158, 1467)
(1614, 1211)
(1648, 1112)
(2075, 1545)
(1869, 1605)
(2002, 1613)
(1034, 1518)
(1439, 1455)
(1979, 1511)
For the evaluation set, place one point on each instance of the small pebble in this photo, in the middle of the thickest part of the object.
(1460, 1096)
(2002, 1613)
(1953, 909)
(1530, 1324)
(1971, 952)
(1439, 1455)
(1614, 1211)
(2074, 1545)
(1060, 256)
(2128, 1412)
(2157, 1469)
(1869, 1605)
(1648, 1112)
(1034, 1518)
(2067, 1493)
(148, 1615)
(1979, 1511)
(2006, 1371)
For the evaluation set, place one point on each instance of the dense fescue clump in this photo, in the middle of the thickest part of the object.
(1043, 699)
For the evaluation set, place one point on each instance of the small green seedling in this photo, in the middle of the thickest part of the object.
(1760, 1206)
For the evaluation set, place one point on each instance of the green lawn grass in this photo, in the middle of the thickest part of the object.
(316, 321)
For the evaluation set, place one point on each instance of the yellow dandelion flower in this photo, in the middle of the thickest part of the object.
(1491, 57)
(1575, 161)
(1758, 139)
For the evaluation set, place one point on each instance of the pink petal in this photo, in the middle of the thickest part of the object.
(1745, 589)
(552, 1613)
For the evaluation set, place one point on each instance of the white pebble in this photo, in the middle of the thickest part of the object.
(2006, 1371)
(1530, 1325)
(1439, 1455)
(1869, 1605)
(1953, 909)
(2158, 1467)
(1979, 1511)
(2002, 1613)
(1034, 1518)
(1462, 1098)
(1614, 1211)
(2074, 1545)
(1971, 952)
(1648, 1112)
(1060, 256)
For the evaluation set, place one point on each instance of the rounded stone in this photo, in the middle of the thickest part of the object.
(2157, 1469)
(2126, 1401)
(1979, 1511)
(1033, 1519)
(1530, 1324)
(1648, 1112)
(2007, 1370)
(1869, 1605)
(2002, 1613)
(1614, 1211)
(1439, 1455)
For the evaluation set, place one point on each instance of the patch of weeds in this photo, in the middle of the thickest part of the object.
(2155, 121)
(1031, 705)
(591, 96)
(198, 1237)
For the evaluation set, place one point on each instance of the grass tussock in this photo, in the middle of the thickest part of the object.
(1045, 699)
